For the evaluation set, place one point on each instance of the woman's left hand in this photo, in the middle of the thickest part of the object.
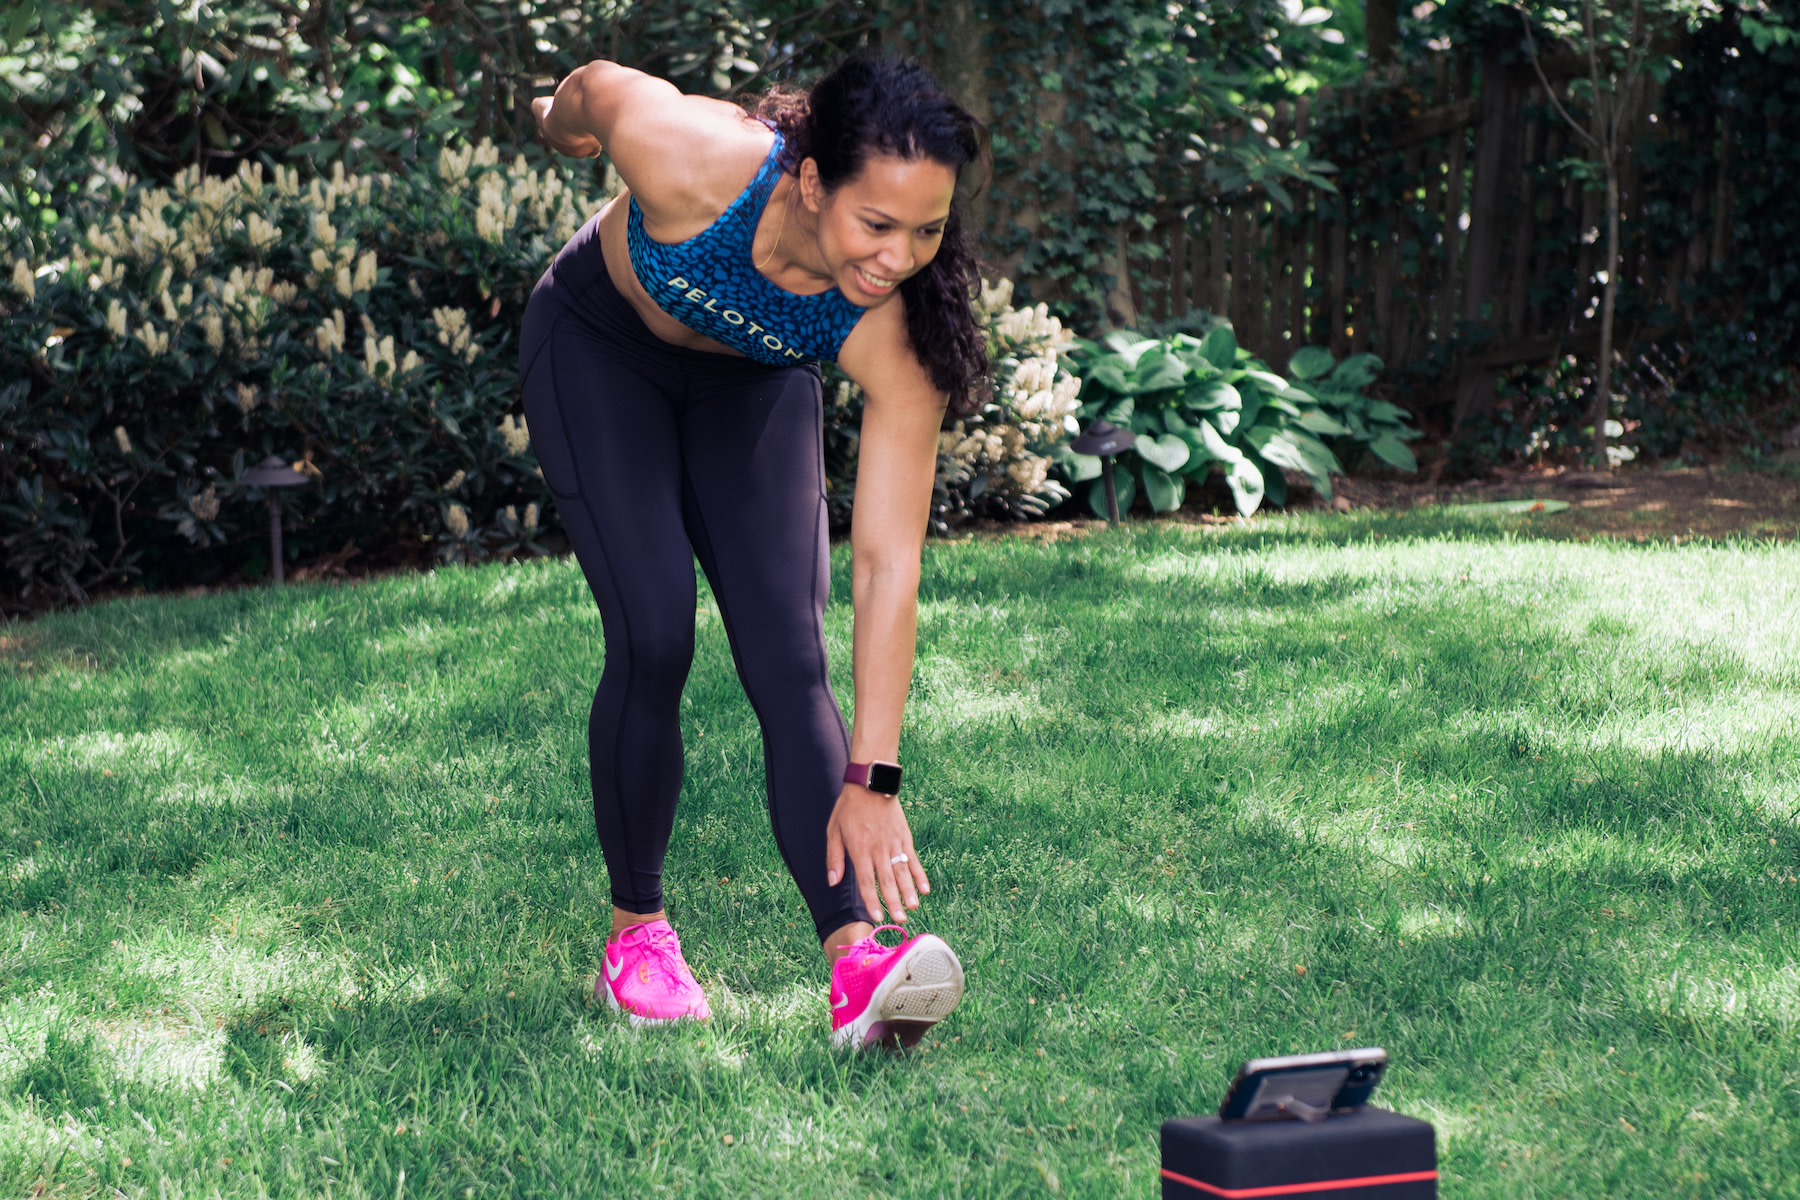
(870, 831)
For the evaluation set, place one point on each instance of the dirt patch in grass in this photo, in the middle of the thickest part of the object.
(1641, 505)
(1636, 505)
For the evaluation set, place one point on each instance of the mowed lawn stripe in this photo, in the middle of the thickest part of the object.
(299, 890)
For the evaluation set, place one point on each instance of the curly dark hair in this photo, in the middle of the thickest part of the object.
(876, 105)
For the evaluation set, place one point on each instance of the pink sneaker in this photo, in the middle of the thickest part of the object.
(646, 978)
(882, 993)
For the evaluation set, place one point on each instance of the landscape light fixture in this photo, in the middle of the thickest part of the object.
(1104, 439)
(274, 474)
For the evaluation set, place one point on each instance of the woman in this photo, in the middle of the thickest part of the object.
(669, 382)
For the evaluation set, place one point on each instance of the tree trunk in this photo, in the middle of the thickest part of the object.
(1608, 295)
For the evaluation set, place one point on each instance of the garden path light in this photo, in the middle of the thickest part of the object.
(274, 474)
(1105, 439)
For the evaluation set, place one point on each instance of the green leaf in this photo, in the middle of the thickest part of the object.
(1167, 453)
(1281, 406)
(1109, 373)
(1192, 351)
(1081, 467)
(1268, 379)
(1128, 345)
(1246, 484)
(1253, 406)
(1297, 450)
(1317, 422)
(1394, 452)
(1274, 483)
(1357, 371)
(1213, 395)
(1310, 361)
(1215, 445)
(1120, 413)
(1220, 348)
(1381, 410)
(1127, 486)
(1157, 370)
(1164, 491)
(1226, 422)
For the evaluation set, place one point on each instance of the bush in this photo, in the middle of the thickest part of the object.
(1204, 405)
(997, 461)
(359, 326)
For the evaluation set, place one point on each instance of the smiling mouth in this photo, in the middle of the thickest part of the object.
(875, 283)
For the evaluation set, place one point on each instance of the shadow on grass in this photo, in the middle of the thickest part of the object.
(1194, 784)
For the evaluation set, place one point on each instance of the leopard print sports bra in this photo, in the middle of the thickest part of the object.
(710, 284)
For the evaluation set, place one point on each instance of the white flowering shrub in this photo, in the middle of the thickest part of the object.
(161, 339)
(997, 461)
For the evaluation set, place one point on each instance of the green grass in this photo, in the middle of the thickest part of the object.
(299, 890)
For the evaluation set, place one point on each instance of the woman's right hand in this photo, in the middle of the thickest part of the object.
(551, 112)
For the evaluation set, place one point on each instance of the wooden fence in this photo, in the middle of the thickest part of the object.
(1458, 242)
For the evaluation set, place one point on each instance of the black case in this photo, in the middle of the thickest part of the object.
(1368, 1154)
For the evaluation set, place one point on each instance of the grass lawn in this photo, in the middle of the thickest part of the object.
(299, 893)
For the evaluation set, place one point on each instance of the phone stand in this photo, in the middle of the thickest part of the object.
(1365, 1154)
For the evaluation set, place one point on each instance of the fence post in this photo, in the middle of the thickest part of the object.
(1475, 381)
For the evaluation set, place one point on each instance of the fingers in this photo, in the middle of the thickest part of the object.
(866, 880)
(891, 889)
(920, 880)
(834, 854)
(908, 877)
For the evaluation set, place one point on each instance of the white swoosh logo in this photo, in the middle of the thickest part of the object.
(612, 972)
(844, 1003)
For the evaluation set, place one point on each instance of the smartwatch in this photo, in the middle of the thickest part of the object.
(882, 777)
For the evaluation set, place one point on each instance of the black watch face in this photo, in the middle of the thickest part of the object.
(884, 778)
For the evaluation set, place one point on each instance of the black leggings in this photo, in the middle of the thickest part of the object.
(657, 455)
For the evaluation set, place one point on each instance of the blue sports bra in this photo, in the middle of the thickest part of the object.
(710, 284)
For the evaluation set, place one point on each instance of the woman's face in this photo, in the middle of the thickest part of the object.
(882, 226)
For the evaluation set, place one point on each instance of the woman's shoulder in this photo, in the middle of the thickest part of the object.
(687, 159)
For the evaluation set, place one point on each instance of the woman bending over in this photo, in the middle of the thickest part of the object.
(670, 381)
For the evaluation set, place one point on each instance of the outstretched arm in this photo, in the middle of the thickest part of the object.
(681, 156)
(896, 467)
(595, 103)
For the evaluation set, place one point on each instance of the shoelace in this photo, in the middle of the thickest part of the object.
(663, 950)
(865, 948)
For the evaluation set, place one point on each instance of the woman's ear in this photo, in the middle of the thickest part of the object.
(812, 188)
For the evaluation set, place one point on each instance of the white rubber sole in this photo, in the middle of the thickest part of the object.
(637, 1020)
(920, 990)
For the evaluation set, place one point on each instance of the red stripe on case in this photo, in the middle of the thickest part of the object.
(1295, 1189)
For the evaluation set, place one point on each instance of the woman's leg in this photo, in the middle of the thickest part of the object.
(604, 432)
(755, 510)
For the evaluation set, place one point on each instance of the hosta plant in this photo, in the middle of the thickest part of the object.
(1204, 405)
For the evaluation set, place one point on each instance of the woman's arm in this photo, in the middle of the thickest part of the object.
(683, 157)
(896, 468)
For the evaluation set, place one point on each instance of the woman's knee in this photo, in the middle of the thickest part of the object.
(658, 659)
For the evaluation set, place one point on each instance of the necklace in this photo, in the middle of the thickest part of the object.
(779, 230)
